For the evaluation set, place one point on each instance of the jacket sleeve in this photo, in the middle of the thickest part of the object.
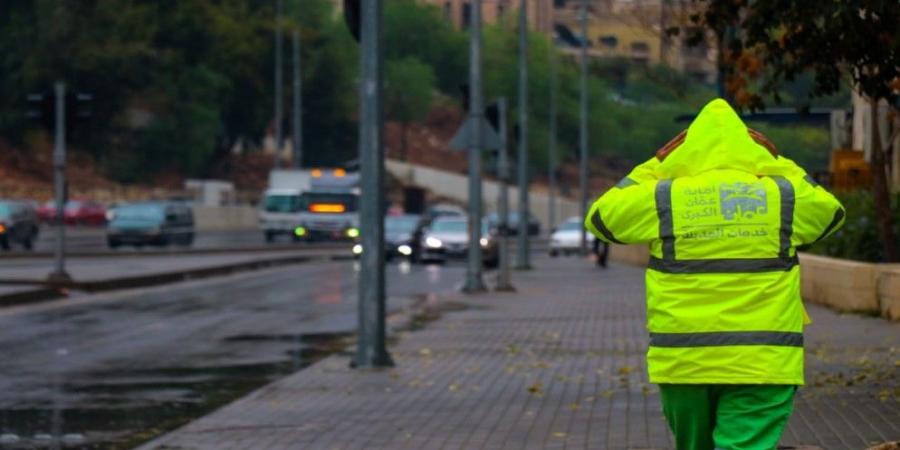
(817, 213)
(626, 214)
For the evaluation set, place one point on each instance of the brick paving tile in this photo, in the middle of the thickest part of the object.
(559, 364)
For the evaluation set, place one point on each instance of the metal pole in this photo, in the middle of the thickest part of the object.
(503, 281)
(371, 349)
(551, 149)
(522, 262)
(474, 283)
(297, 116)
(59, 273)
(583, 131)
(278, 96)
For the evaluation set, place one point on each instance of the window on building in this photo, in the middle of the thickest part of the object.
(609, 42)
(466, 15)
(500, 11)
(448, 10)
(640, 52)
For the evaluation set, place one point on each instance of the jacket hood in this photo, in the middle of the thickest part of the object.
(718, 139)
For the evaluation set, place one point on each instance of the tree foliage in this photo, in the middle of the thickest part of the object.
(200, 69)
(841, 42)
(852, 43)
(409, 89)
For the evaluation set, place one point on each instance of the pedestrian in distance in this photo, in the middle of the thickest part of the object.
(723, 214)
(601, 258)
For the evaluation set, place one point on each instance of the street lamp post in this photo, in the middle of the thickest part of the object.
(503, 281)
(583, 131)
(474, 282)
(297, 122)
(551, 148)
(59, 274)
(522, 250)
(371, 348)
(278, 95)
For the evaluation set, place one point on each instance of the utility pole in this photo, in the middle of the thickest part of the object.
(278, 96)
(583, 131)
(551, 148)
(522, 255)
(503, 281)
(371, 349)
(59, 274)
(297, 122)
(474, 282)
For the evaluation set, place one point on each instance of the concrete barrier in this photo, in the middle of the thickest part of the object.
(840, 284)
(889, 293)
(225, 218)
(455, 186)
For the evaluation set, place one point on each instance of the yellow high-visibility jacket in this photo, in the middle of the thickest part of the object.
(723, 218)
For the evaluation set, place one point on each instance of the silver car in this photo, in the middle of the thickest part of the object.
(566, 239)
(448, 237)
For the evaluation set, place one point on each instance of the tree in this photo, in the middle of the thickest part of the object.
(409, 89)
(851, 43)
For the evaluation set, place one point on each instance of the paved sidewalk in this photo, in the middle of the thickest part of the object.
(558, 364)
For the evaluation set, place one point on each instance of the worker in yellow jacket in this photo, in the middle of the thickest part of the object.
(723, 214)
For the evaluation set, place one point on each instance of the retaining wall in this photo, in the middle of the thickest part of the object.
(456, 187)
(225, 217)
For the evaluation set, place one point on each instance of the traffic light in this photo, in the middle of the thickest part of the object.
(42, 108)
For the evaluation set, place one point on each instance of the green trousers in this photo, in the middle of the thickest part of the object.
(727, 416)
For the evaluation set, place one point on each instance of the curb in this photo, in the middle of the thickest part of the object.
(50, 291)
(172, 252)
(36, 295)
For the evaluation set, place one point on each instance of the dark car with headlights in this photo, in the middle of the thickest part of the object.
(448, 237)
(150, 223)
(402, 234)
(18, 224)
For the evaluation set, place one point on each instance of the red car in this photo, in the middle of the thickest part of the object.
(47, 211)
(84, 212)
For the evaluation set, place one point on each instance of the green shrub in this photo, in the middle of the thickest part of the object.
(859, 239)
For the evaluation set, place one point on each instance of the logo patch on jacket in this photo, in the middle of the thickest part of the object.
(742, 200)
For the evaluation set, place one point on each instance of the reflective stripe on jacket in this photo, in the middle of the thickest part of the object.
(723, 218)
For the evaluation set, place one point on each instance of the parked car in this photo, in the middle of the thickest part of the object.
(448, 237)
(534, 227)
(566, 239)
(151, 223)
(46, 212)
(18, 224)
(84, 212)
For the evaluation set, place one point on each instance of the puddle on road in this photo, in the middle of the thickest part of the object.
(120, 409)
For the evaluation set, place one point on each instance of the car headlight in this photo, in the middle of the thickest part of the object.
(483, 241)
(404, 250)
(110, 215)
(433, 242)
(357, 249)
(353, 233)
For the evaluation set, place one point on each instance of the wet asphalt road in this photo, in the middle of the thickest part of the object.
(111, 370)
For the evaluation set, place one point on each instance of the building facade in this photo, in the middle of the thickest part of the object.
(540, 12)
(636, 30)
